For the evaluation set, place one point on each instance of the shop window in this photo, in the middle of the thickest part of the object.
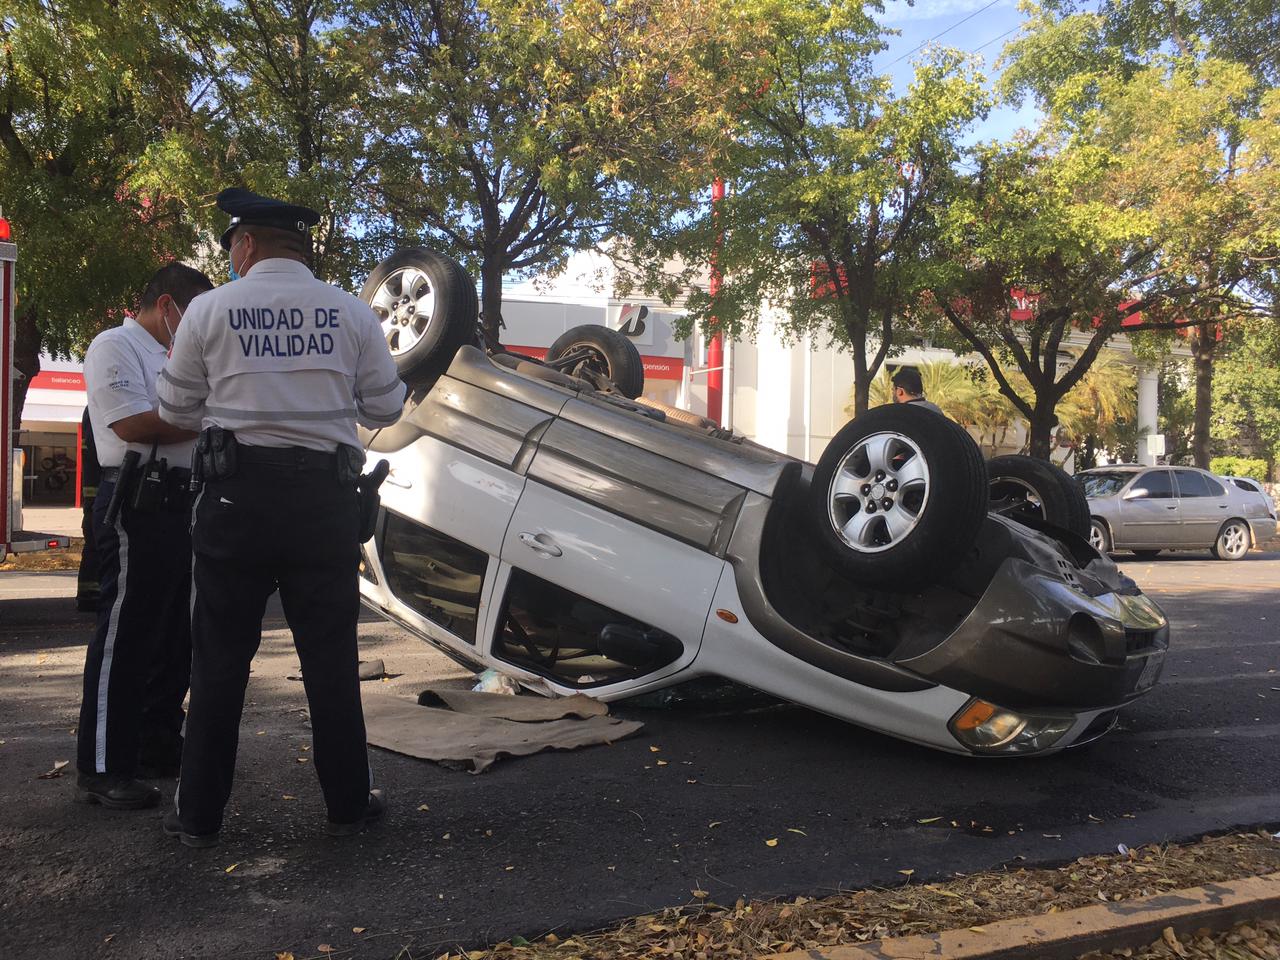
(437, 576)
(554, 632)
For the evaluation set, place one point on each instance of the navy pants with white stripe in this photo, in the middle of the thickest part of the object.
(272, 528)
(139, 660)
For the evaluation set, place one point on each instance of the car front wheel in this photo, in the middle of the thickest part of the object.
(603, 351)
(1099, 537)
(898, 497)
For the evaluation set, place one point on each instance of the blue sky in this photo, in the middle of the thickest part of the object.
(980, 26)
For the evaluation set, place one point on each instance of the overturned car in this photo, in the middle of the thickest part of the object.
(544, 519)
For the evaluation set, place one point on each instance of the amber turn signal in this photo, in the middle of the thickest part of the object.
(728, 616)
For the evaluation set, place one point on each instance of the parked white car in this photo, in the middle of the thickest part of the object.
(540, 521)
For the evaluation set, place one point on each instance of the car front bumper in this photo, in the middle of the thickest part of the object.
(1037, 641)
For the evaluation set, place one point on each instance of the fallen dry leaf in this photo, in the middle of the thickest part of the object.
(288, 796)
(929, 820)
(653, 749)
(906, 873)
(796, 830)
(284, 955)
(230, 868)
(771, 843)
(662, 763)
(359, 929)
(700, 894)
(713, 824)
(58, 767)
(325, 948)
(423, 807)
(302, 759)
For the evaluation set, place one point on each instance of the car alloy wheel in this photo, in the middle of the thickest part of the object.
(878, 492)
(1098, 538)
(405, 302)
(1233, 541)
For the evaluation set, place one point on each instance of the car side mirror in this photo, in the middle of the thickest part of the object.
(1137, 493)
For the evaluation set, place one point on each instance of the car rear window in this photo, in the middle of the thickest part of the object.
(1193, 483)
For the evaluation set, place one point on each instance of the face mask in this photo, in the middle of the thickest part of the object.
(168, 329)
(231, 260)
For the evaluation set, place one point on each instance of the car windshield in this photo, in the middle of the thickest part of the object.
(1103, 483)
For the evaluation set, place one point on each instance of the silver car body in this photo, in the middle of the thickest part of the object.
(1171, 508)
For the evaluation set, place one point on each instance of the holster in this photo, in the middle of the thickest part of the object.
(368, 499)
(215, 457)
(151, 487)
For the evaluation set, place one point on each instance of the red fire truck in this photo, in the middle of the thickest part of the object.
(13, 538)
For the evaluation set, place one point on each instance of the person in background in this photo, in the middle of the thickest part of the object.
(139, 659)
(90, 474)
(909, 388)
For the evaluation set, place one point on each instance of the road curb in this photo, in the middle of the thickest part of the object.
(1066, 935)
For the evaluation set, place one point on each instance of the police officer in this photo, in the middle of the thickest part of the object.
(277, 368)
(137, 665)
(908, 387)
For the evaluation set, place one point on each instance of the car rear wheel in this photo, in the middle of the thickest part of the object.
(1099, 536)
(898, 497)
(602, 351)
(428, 309)
(1233, 541)
(1030, 487)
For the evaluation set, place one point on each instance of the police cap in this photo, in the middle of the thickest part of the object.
(247, 207)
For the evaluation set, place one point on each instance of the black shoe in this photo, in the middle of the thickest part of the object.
(376, 807)
(172, 827)
(116, 792)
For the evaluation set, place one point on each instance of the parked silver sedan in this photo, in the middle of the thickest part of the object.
(1149, 509)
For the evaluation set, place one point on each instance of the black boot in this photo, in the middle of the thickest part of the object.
(376, 808)
(116, 792)
(172, 827)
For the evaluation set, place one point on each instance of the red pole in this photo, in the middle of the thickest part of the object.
(715, 349)
(79, 463)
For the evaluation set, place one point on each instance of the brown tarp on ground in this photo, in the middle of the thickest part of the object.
(484, 726)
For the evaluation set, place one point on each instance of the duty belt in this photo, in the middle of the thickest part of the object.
(298, 458)
(112, 474)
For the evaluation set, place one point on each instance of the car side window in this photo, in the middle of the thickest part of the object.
(1157, 483)
(1193, 483)
(1245, 485)
(437, 576)
(575, 641)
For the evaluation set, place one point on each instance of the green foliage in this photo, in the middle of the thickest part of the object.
(1240, 467)
(93, 99)
(835, 184)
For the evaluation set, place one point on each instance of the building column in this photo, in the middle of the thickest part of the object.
(1148, 412)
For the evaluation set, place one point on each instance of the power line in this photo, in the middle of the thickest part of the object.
(946, 31)
(995, 39)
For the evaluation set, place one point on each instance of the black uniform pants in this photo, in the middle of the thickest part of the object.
(87, 578)
(267, 528)
(139, 660)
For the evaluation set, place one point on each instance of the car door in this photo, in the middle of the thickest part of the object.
(1202, 506)
(1149, 511)
(610, 563)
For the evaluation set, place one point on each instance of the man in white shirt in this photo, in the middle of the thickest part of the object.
(276, 369)
(138, 662)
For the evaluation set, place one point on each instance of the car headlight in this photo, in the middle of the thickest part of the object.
(985, 728)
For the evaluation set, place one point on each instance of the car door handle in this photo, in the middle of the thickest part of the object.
(1171, 508)
(541, 543)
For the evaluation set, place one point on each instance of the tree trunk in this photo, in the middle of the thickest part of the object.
(1204, 346)
(26, 360)
(491, 298)
(861, 379)
(1042, 422)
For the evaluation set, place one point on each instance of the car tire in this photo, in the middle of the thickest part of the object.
(1099, 536)
(1233, 540)
(1028, 486)
(912, 461)
(1146, 554)
(412, 284)
(610, 354)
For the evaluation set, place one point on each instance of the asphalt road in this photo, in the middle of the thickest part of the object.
(568, 841)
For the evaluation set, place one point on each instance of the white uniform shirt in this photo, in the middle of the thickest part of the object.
(120, 372)
(282, 359)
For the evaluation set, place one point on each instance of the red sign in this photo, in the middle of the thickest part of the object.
(655, 368)
(58, 380)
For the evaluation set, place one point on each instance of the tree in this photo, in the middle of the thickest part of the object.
(1247, 393)
(93, 102)
(289, 83)
(1115, 216)
(835, 181)
(1080, 52)
(515, 132)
